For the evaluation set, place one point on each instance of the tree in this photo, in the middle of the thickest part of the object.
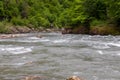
(1, 11)
(95, 9)
(113, 11)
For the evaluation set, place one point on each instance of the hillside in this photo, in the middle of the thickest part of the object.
(90, 14)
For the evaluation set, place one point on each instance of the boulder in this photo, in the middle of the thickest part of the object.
(74, 78)
(32, 78)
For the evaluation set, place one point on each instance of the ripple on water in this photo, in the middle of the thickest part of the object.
(114, 44)
(59, 56)
(17, 50)
(100, 52)
(60, 41)
(100, 45)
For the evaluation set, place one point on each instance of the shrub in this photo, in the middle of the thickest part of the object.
(98, 23)
(39, 21)
(3, 27)
(19, 21)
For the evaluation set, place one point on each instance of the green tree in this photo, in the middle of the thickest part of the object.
(113, 11)
(95, 9)
(1, 11)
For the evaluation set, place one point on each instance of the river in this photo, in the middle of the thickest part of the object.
(56, 57)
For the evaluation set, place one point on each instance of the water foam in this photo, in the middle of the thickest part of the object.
(60, 41)
(100, 52)
(34, 38)
(118, 54)
(18, 50)
(19, 64)
(100, 45)
(114, 44)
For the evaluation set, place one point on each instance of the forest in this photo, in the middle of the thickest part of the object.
(90, 14)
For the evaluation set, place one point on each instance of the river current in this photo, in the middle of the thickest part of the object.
(56, 57)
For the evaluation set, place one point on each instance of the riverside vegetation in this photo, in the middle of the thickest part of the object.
(78, 16)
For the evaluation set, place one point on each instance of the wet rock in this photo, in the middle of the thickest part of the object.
(74, 78)
(32, 78)
(6, 36)
(30, 62)
(39, 36)
(66, 30)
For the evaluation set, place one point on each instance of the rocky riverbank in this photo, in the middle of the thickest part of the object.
(17, 31)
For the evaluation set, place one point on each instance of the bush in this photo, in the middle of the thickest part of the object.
(3, 27)
(98, 23)
(19, 21)
(39, 21)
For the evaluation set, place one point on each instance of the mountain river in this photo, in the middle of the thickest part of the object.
(56, 56)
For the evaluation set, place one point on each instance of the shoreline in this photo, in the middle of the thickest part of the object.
(17, 31)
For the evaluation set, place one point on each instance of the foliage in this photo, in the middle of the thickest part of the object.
(60, 13)
(3, 27)
(113, 10)
(19, 21)
(95, 8)
(98, 23)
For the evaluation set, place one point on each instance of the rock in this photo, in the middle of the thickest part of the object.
(39, 36)
(3, 36)
(66, 30)
(74, 78)
(30, 62)
(19, 29)
(32, 78)
(42, 78)
(7, 36)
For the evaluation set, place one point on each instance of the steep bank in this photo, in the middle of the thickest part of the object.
(8, 28)
(14, 31)
(11, 29)
(104, 30)
(93, 30)
(20, 29)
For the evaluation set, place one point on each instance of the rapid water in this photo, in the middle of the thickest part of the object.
(56, 57)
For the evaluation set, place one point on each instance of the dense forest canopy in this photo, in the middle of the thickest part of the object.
(60, 13)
